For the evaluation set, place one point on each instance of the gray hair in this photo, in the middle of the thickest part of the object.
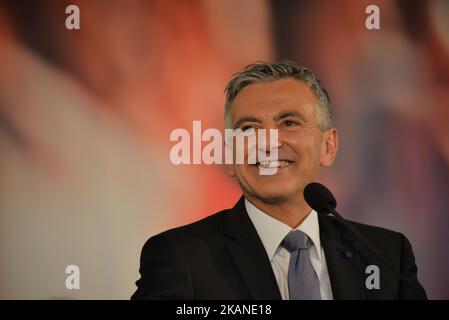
(264, 72)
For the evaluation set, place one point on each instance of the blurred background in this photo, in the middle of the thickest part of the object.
(85, 119)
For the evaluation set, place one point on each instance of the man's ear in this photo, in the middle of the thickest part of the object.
(329, 147)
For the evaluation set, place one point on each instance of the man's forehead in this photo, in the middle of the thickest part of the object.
(301, 109)
(275, 115)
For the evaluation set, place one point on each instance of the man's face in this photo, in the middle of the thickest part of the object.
(289, 106)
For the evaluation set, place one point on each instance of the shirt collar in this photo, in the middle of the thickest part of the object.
(272, 231)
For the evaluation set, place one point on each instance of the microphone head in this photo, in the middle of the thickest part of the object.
(319, 198)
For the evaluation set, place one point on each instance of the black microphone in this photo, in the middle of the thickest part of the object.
(320, 199)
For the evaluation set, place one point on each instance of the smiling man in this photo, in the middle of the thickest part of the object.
(271, 244)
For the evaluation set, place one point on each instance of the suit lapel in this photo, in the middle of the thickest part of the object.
(343, 262)
(251, 260)
(249, 255)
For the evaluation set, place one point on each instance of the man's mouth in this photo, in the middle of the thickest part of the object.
(273, 164)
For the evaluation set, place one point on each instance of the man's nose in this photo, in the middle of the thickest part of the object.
(267, 140)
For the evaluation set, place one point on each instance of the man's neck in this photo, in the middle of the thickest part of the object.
(292, 213)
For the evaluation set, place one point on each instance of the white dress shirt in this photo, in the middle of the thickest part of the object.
(272, 231)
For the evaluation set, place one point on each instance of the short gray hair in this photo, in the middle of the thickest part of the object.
(263, 72)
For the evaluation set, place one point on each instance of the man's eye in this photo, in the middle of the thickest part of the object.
(290, 123)
(247, 128)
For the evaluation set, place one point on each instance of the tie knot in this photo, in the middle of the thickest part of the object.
(295, 240)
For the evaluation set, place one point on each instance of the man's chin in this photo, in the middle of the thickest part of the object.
(273, 198)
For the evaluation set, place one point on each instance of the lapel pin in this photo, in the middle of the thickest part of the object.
(348, 254)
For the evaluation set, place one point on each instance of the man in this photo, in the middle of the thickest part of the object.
(271, 244)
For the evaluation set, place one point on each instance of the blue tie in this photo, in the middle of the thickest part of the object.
(303, 282)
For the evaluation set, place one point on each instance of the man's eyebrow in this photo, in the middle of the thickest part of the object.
(285, 114)
(246, 119)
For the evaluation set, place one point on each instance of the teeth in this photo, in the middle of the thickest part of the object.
(273, 164)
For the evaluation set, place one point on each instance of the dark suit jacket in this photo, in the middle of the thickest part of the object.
(222, 257)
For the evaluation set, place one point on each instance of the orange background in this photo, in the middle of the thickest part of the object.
(85, 119)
